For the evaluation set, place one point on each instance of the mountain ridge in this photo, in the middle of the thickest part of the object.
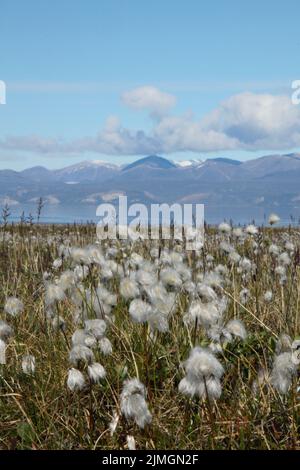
(269, 182)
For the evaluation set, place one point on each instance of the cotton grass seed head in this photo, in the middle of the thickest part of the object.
(28, 364)
(251, 229)
(129, 289)
(95, 327)
(203, 373)
(170, 277)
(13, 306)
(2, 352)
(283, 344)
(139, 311)
(283, 371)
(237, 329)
(224, 228)
(83, 337)
(244, 296)
(96, 372)
(105, 346)
(268, 296)
(130, 443)
(6, 330)
(273, 219)
(205, 314)
(54, 293)
(114, 423)
(133, 403)
(81, 353)
(67, 280)
(75, 380)
(202, 363)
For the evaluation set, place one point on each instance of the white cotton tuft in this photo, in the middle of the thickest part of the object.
(81, 272)
(54, 293)
(105, 346)
(75, 380)
(169, 277)
(283, 371)
(234, 257)
(57, 263)
(139, 310)
(114, 423)
(274, 250)
(83, 337)
(96, 372)
(244, 296)
(13, 306)
(80, 255)
(67, 280)
(6, 330)
(81, 353)
(284, 259)
(283, 344)
(203, 373)
(130, 442)
(238, 232)
(129, 289)
(268, 296)
(237, 328)
(28, 364)
(224, 228)
(251, 229)
(133, 403)
(2, 352)
(214, 388)
(95, 327)
(202, 363)
(145, 278)
(206, 314)
(273, 219)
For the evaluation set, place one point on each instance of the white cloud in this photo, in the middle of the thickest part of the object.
(201, 86)
(257, 121)
(150, 98)
(32, 143)
(114, 139)
(64, 87)
(245, 121)
(186, 134)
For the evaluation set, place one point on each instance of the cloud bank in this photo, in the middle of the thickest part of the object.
(150, 98)
(246, 121)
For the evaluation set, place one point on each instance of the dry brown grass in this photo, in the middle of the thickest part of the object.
(39, 412)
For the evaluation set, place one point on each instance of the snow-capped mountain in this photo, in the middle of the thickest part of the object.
(94, 170)
(263, 184)
(189, 163)
(88, 164)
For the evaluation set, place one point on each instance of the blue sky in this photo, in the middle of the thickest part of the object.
(116, 79)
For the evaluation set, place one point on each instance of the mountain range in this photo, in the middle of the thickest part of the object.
(228, 188)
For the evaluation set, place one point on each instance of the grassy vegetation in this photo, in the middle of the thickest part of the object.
(39, 411)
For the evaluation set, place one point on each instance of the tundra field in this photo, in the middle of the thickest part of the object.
(141, 344)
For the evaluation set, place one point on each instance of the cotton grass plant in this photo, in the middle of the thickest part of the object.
(142, 344)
